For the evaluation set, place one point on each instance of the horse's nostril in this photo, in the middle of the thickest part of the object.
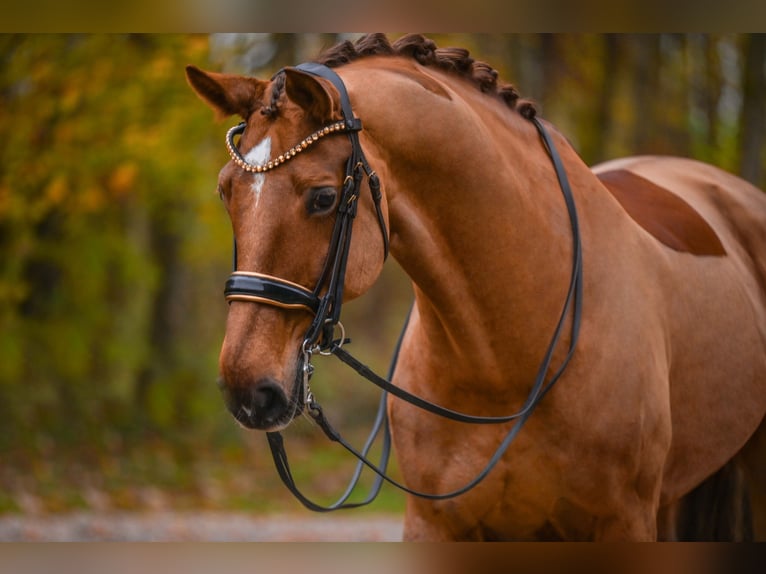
(259, 406)
(265, 398)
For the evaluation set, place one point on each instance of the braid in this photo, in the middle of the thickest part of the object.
(272, 109)
(417, 46)
(457, 61)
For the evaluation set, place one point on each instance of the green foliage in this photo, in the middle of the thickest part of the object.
(105, 184)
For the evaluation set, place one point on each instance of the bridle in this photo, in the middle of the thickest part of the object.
(326, 308)
(262, 288)
(258, 287)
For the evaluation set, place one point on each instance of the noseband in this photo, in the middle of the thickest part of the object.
(261, 288)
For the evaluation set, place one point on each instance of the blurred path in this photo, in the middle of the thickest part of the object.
(199, 526)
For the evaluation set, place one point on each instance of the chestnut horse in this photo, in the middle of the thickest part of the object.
(666, 389)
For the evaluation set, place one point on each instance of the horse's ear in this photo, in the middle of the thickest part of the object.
(314, 95)
(227, 94)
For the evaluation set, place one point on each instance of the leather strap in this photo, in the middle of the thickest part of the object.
(323, 71)
(353, 125)
(260, 288)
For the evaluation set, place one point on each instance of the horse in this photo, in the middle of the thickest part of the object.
(663, 393)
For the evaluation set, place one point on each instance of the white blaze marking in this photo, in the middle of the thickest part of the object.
(259, 155)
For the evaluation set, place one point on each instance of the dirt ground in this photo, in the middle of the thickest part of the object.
(199, 526)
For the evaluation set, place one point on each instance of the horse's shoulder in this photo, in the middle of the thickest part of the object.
(664, 214)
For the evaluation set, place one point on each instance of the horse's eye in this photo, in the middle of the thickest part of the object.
(321, 200)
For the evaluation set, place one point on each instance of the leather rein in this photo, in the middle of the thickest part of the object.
(261, 288)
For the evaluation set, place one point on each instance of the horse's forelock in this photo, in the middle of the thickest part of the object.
(271, 109)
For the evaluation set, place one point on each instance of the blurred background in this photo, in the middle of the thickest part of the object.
(114, 247)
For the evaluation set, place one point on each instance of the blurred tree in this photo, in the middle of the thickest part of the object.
(103, 193)
(753, 115)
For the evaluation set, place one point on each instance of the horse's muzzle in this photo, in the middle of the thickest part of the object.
(262, 405)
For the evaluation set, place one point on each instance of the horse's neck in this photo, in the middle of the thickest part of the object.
(490, 273)
(479, 224)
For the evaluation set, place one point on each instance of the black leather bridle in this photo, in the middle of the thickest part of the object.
(261, 288)
(257, 287)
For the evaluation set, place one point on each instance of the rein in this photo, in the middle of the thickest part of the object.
(261, 288)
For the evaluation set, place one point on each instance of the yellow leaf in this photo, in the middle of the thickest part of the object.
(56, 190)
(123, 178)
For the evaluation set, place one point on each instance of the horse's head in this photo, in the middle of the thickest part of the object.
(283, 191)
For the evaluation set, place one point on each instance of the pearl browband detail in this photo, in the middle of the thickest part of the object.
(237, 158)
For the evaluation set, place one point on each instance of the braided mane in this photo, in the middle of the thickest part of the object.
(457, 61)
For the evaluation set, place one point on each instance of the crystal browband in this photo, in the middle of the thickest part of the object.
(237, 158)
